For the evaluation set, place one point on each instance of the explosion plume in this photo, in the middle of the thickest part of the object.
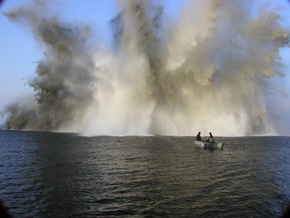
(209, 70)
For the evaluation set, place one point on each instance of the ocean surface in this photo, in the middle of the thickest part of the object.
(45, 174)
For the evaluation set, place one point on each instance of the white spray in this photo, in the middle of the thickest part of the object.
(207, 71)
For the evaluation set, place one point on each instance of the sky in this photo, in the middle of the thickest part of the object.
(20, 51)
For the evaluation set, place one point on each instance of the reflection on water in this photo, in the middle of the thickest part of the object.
(55, 174)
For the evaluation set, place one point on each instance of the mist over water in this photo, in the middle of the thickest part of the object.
(211, 69)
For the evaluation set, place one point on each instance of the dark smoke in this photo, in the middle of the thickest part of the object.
(145, 24)
(64, 81)
(209, 70)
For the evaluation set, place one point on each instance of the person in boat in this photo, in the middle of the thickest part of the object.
(198, 137)
(211, 138)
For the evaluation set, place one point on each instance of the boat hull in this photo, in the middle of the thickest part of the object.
(203, 144)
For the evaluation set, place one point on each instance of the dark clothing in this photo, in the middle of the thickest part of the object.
(211, 139)
(198, 137)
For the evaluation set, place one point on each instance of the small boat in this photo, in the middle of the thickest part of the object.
(204, 144)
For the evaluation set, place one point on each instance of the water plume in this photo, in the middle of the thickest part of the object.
(64, 77)
(208, 70)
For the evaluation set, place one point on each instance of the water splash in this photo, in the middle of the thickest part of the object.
(206, 71)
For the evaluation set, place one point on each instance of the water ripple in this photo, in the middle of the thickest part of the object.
(65, 175)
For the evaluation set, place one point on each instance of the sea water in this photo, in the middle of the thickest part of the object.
(45, 174)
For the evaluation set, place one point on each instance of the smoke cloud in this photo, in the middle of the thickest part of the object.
(212, 69)
(64, 78)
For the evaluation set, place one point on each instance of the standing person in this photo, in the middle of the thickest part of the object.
(211, 138)
(198, 137)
